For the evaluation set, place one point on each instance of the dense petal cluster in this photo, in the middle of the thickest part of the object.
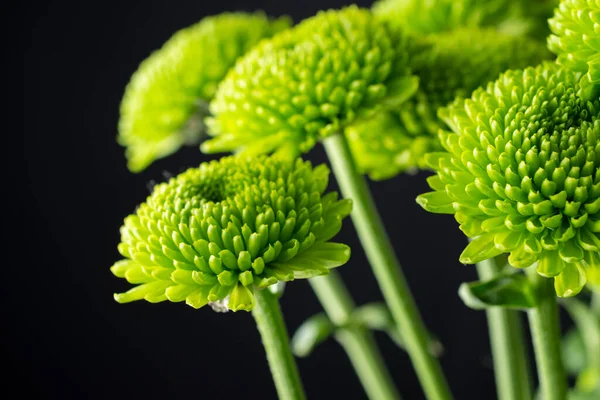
(522, 174)
(576, 38)
(167, 97)
(218, 232)
(309, 82)
(449, 65)
(423, 17)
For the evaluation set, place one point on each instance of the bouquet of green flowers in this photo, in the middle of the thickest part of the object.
(499, 100)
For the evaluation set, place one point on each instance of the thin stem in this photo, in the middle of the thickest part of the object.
(275, 340)
(508, 348)
(386, 268)
(545, 331)
(357, 341)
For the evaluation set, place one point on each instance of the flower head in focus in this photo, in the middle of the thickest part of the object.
(522, 174)
(309, 82)
(217, 233)
(576, 38)
(449, 65)
(166, 99)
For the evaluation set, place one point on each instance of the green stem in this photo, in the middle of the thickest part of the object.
(545, 331)
(274, 336)
(508, 347)
(357, 341)
(595, 303)
(386, 268)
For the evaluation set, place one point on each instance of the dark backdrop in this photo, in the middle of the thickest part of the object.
(73, 341)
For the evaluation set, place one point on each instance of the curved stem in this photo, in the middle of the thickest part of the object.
(545, 331)
(386, 268)
(357, 341)
(508, 348)
(274, 336)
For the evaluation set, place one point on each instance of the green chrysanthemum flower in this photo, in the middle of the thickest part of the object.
(218, 232)
(522, 174)
(309, 82)
(576, 39)
(423, 17)
(449, 65)
(167, 97)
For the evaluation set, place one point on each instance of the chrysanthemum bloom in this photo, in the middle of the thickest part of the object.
(522, 174)
(576, 39)
(221, 231)
(309, 82)
(423, 17)
(167, 97)
(449, 65)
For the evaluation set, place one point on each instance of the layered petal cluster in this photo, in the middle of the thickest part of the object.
(423, 17)
(522, 174)
(167, 97)
(217, 233)
(576, 38)
(449, 65)
(309, 82)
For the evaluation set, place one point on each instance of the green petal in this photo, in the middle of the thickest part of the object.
(156, 288)
(592, 270)
(177, 293)
(511, 291)
(550, 264)
(241, 298)
(198, 298)
(570, 281)
(479, 249)
(436, 202)
(317, 260)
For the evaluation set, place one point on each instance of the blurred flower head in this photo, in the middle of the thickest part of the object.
(167, 97)
(423, 17)
(448, 65)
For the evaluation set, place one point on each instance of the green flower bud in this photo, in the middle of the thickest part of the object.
(449, 65)
(423, 17)
(167, 97)
(217, 233)
(309, 82)
(522, 174)
(576, 39)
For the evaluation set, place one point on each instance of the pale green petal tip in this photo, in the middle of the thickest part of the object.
(165, 101)
(198, 238)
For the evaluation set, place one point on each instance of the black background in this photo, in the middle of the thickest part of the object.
(73, 341)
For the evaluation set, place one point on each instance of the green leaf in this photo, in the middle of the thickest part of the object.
(376, 316)
(588, 329)
(310, 334)
(510, 291)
